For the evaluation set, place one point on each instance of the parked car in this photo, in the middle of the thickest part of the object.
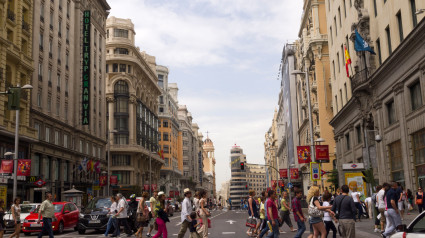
(66, 216)
(95, 215)
(26, 210)
(415, 229)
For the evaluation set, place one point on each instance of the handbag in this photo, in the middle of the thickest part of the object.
(419, 201)
(201, 223)
(251, 222)
(313, 211)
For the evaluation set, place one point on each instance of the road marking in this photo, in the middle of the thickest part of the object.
(230, 221)
(178, 224)
(228, 233)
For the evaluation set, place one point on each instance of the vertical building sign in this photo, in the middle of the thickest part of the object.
(287, 111)
(86, 68)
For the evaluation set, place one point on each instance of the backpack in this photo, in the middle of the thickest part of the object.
(374, 198)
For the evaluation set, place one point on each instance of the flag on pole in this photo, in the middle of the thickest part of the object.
(347, 60)
(161, 153)
(361, 45)
(84, 164)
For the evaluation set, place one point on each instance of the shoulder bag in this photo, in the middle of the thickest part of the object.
(313, 211)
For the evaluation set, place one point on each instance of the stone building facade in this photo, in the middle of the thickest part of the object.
(386, 90)
(313, 57)
(57, 100)
(16, 67)
(209, 164)
(271, 151)
(256, 177)
(169, 132)
(132, 93)
(238, 182)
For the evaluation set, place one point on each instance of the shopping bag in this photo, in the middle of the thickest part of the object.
(251, 222)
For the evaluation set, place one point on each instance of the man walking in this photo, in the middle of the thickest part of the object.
(393, 214)
(272, 214)
(265, 227)
(185, 214)
(346, 209)
(285, 211)
(298, 213)
(47, 211)
(152, 202)
(122, 216)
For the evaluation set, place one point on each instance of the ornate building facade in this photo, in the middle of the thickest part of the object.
(209, 164)
(132, 93)
(270, 152)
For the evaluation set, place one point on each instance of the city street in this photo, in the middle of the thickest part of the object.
(231, 224)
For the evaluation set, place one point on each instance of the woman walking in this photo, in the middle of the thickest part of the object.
(285, 211)
(327, 218)
(356, 197)
(252, 212)
(16, 213)
(142, 218)
(2, 225)
(112, 222)
(204, 214)
(161, 216)
(419, 200)
(316, 221)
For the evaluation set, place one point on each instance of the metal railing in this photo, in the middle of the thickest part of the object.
(25, 26)
(10, 15)
(359, 79)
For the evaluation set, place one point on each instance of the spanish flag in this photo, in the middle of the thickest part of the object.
(161, 154)
(347, 60)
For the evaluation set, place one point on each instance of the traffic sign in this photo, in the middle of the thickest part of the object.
(290, 185)
(314, 171)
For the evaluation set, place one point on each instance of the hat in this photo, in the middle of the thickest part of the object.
(161, 193)
(186, 190)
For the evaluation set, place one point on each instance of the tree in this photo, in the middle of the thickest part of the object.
(333, 178)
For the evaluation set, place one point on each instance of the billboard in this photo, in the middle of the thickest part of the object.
(287, 112)
(86, 68)
(355, 181)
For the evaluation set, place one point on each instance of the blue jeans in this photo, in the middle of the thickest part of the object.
(301, 229)
(265, 229)
(111, 222)
(393, 221)
(275, 233)
(47, 228)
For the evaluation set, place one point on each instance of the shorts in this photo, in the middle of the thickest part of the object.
(382, 212)
(152, 222)
(314, 220)
(401, 205)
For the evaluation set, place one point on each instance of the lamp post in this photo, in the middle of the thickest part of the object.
(320, 140)
(310, 118)
(15, 98)
(109, 158)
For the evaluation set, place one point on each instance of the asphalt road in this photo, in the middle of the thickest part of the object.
(231, 224)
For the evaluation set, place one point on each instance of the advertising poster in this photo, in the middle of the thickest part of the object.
(295, 174)
(24, 167)
(3, 193)
(6, 167)
(303, 153)
(283, 173)
(322, 153)
(355, 180)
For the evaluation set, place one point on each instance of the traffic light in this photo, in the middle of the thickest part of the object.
(14, 98)
(242, 166)
(246, 186)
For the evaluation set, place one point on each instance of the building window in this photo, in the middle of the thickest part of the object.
(121, 160)
(161, 80)
(123, 176)
(340, 96)
(81, 146)
(346, 92)
(107, 68)
(47, 135)
(49, 104)
(65, 140)
(378, 46)
(165, 136)
(165, 123)
(166, 149)
(415, 95)
(336, 103)
(122, 68)
(65, 171)
(333, 66)
(400, 26)
(39, 97)
(347, 141)
(37, 130)
(336, 27)
(345, 10)
(359, 134)
(339, 15)
(120, 33)
(332, 38)
(129, 69)
(122, 51)
(374, 8)
(388, 33)
(390, 112)
(339, 65)
(396, 161)
(413, 12)
(56, 137)
(419, 154)
(114, 67)
(46, 168)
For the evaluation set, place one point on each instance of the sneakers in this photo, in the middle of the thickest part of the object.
(148, 235)
(377, 230)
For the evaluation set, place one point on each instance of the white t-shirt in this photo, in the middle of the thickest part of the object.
(380, 199)
(326, 216)
(121, 204)
(368, 200)
(354, 196)
(113, 208)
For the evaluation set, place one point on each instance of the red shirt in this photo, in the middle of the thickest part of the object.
(271, 204)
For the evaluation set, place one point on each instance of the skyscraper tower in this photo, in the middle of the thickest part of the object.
(238, 183)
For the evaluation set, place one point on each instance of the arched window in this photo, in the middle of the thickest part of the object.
(121, 116)
(121, 87)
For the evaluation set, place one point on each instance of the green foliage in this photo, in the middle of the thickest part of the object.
(333, 178)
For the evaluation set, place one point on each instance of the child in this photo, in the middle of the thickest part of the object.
(192, 226)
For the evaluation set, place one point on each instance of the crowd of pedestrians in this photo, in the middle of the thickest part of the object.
(330, 213)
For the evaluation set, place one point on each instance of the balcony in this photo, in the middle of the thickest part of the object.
(360, 80)
(25, 26)
(11, 15)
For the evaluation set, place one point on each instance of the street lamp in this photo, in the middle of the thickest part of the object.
(15, 99)
(109, 157)
(310, 118)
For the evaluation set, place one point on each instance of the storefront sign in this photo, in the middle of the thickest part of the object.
(171, 194)
(113, 180)
(281, 183)
(322, 153)
(177, 193)
(24, 167)
(154, 187)
(303, 153)
(353, 166)
(283, 173)
(274, 183)
(3, 180)
(40, 183)
(86, 68)
(146, 187)
(6, 167)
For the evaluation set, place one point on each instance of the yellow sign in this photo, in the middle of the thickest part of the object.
(315, 174)
(3, 193)
(355, 182)
(96, 187)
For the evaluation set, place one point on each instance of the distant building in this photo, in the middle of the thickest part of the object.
(238, 181)
(271, 151)
(224, 192)
(256, 177)
(209, 162)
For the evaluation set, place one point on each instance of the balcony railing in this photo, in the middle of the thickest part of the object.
(25, 26)
(359, 79)
(10, 15)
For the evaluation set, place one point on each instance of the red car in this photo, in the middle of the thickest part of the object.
(66, 216)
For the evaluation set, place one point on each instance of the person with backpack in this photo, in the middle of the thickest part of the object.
(345, 211)
(122, 216)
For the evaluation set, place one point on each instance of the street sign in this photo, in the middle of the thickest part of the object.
(39, 189)
(278, 190)
(39, 183)
(3, 180)
(290, 185)
(314, 171)
(353, 166)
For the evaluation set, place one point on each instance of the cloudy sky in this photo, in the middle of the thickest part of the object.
(224, 55)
